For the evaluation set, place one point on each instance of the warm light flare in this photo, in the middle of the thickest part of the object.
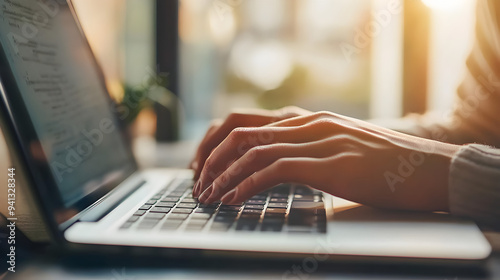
(444, 4)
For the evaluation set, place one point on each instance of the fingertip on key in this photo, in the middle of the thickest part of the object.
(228, 197)
(205, 195)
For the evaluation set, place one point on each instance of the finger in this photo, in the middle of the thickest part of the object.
(285, 170)
(223, 129)
(242, 139)
(260, 157)
(254, 118)
(342, 121)
(234, 146)
(214, 126)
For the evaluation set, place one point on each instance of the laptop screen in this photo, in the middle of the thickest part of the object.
(78, 135)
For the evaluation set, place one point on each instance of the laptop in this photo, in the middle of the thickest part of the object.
(65, 132)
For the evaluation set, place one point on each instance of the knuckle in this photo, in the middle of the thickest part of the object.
(234, 117)
(322, 123)
(216, 123)
(283, 164)
(237, 133)
(209, 164)
(322, 114)
(289, 111)
(257, 152)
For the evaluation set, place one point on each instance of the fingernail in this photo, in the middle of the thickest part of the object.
(206, 194)
(228, 197)
(196, 189)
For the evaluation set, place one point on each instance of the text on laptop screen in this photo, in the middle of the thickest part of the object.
(56, 75)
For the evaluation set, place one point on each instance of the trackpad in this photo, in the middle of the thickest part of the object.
(366, 230)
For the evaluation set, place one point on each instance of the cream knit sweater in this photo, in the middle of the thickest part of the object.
(474, 179)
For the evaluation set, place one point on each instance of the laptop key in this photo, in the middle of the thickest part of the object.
(249, 217)
(204, 216)
(251, 212)
(160, 209)
(246, 225)
(171, 224)
(170, 199)
(255, 202)
(176, 193)
(305, 207)
(126, 225)
(145, 207)
(227, 213)
(139, 212)
(230, 208)
(194, 227)
(304, 220)
(271, 227)
(182, 211)
(256, 207)
(187, 205)
(166, 204)
(133, 219)
(304, 197)
(177, 216)
(197, 222)
(147, 224)
(151, 202)
(224, 219)
(189, 200)
(209, 206)
(154, 216)
(275, 220)
(204, 210)
(156, 197)
(277, 205)
(276, 199)
(278, 211)
(220, 226)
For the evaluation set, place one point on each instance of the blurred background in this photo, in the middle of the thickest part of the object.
(362, 58)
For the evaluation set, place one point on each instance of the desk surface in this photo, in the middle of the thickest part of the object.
(47, 267)
(42, 264)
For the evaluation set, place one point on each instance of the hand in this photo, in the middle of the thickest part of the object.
(219, 130)
(343, 156)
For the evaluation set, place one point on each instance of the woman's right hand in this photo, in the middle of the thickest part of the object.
(220, 129)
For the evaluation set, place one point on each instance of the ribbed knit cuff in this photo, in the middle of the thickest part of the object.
(474, 183)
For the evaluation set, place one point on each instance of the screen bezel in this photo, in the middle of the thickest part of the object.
(23, 133)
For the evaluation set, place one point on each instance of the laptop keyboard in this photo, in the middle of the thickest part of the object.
(285, 208)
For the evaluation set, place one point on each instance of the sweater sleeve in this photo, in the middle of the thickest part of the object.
(474, 184)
